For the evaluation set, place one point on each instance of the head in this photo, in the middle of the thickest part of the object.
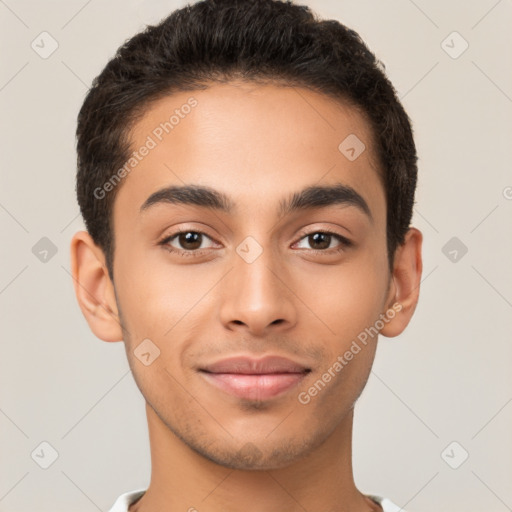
(277, 142)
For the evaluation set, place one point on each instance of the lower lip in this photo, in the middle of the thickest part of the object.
(254, 387)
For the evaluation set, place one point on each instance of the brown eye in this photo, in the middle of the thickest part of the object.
(320, 243)
(320, 240)
(190, 240)
(186, 241)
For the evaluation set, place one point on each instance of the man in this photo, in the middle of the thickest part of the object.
(246, 175)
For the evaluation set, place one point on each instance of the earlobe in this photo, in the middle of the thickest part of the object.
(93, 288)
(405, 288)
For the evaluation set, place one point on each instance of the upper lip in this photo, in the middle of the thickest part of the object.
(255, 366)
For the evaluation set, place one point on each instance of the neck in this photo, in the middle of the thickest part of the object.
(182, 479)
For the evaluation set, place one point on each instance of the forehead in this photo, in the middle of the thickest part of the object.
(254, 142)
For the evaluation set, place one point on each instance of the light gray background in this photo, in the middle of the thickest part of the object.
(447, 378)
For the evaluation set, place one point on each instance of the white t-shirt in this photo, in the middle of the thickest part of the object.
(125, 500)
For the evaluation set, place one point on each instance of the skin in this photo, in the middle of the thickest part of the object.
(257, 144)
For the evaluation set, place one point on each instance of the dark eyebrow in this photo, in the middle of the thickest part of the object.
(326, 195)
(190, 194)
(309, 197)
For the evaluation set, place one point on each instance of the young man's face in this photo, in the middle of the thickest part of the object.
(254, 281)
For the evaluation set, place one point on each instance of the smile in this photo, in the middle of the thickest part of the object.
(254, 379)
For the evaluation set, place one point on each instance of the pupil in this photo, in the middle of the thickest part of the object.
(190, 238)
(317, 238)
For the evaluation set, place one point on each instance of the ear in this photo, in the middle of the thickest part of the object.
(93, 288)
(405, 283)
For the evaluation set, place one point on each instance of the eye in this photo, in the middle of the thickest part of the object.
(186, 241)
(193, 243)
(322, 241)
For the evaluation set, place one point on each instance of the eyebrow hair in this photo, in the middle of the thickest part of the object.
(309, 197)
(190, 194)
(326, 195)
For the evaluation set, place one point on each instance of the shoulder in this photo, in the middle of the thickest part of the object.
(125, 500)
(386, 504)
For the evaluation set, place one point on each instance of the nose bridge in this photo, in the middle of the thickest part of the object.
(256, 295)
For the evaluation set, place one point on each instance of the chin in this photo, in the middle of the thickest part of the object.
(254, 456)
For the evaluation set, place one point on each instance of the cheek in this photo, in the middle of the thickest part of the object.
(349, 302)
(168, 305)
(336, 386)
(155, 294)
(162, 387)
(347, 298)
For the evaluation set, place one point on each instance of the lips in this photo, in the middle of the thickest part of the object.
(255, 379)
(252, 366)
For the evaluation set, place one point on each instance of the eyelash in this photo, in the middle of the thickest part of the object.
(345, 243)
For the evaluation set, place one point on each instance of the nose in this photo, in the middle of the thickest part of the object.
(257, 297)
